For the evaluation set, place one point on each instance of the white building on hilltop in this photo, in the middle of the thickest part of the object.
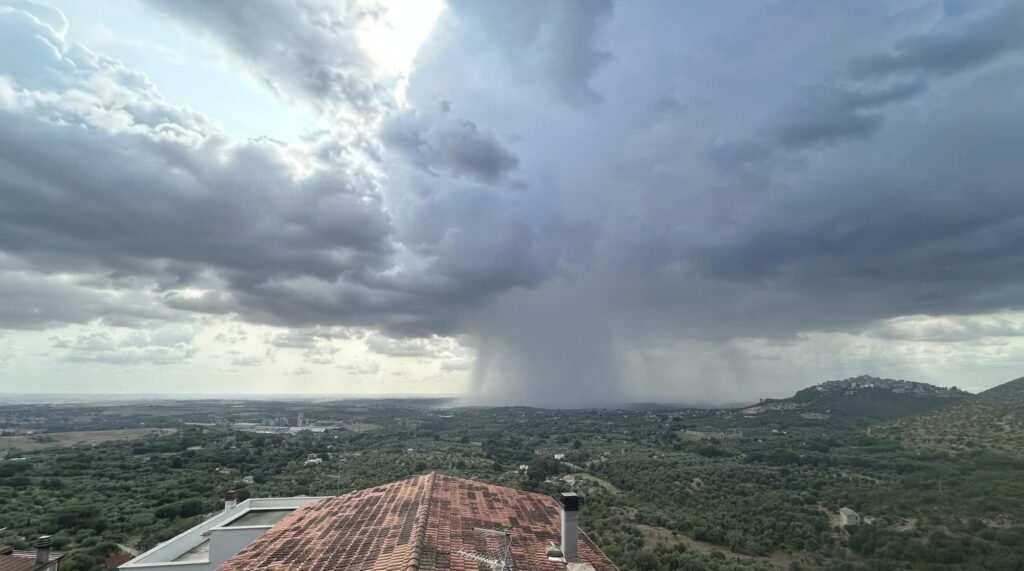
(313, 460)
(848, 517)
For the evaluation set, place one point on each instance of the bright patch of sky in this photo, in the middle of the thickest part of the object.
(187, 72)
(222, 357)
(394, 42)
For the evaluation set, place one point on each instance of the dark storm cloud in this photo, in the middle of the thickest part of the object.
(211, 302)
(922, 235)
(35, 304)
(554, 44)
(831, 115)
(29, 300)
(215, 202)
(569, 41)
(853, 107)
(949, 52)
(438, 141)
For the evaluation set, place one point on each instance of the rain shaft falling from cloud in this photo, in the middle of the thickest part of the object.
(553, 347)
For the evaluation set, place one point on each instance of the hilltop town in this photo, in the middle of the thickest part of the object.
(897, 386)
(866, 396)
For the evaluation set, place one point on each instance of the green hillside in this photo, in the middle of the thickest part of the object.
(861, 398)
(992, 420)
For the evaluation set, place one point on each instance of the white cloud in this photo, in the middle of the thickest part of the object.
(431, 347)
(949, 328)
(246, 361)
(169, 345)
(361, 368)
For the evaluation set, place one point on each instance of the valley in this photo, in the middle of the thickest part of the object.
(663, 488)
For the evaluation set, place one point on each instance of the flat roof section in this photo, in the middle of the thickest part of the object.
(260, 517)
(207, 545)
(200, 552)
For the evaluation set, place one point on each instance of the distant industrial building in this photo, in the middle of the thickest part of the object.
(278, 425)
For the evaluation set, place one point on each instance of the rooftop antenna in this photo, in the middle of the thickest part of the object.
(503, 562)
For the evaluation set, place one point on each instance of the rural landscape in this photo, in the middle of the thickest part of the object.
(934, 473)
(511, 285)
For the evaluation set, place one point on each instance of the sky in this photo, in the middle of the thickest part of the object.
(572, 203)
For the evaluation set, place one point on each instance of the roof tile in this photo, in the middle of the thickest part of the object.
(418, 524)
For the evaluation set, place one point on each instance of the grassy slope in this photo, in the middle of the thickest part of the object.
(992, 420)
(879, 404)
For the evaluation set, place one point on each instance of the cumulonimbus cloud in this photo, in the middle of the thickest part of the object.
(828, 190)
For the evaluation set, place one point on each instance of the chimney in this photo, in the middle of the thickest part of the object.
(230, 499)
(43, 548)
(570, 525)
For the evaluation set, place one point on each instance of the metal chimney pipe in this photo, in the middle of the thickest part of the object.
(43, 544)
(570, 525)
(230, 499)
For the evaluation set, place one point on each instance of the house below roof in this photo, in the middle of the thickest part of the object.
(424, 523)
(40, 559)
(848, 517)
(117, 559)
(207, 545)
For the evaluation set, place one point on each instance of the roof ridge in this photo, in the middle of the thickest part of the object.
(608, 559)
(479, 483)
(419, 528)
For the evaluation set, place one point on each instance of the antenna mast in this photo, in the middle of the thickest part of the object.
(503, 562)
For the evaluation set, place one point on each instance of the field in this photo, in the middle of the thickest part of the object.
(81, 437)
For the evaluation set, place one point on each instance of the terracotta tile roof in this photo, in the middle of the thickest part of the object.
(117, 559)
(419, 524)
(15, 560)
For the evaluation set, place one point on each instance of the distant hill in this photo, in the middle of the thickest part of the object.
(991, 420)
(861, 397)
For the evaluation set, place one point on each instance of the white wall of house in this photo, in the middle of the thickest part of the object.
(849, 517)
(225, 542)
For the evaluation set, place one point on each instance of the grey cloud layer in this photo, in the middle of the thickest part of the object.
(169, 345)
(437, 141)
(951, 51)
(284, 235)
(646, 169)
(554, 45)
(307, 49)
